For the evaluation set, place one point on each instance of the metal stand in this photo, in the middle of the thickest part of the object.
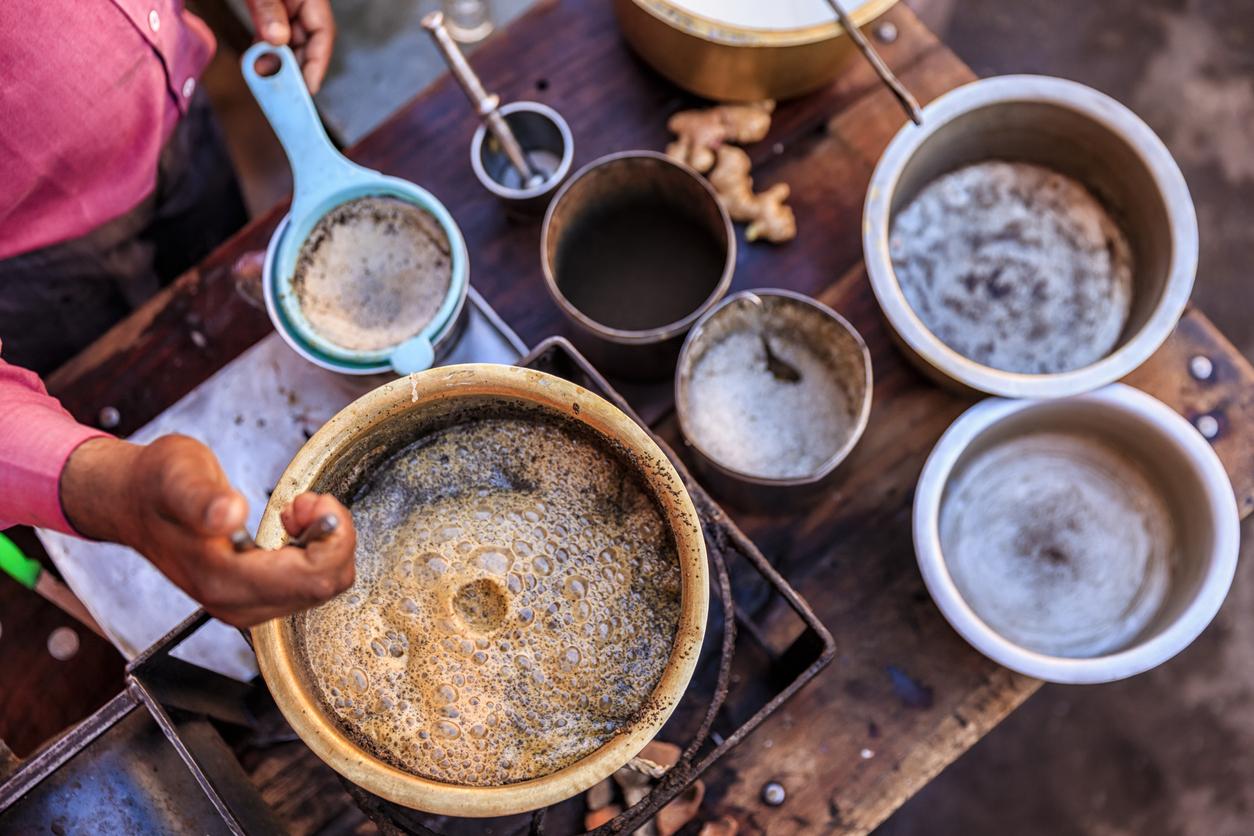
(162, 769)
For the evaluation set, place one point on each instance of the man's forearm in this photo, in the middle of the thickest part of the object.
(95, 486)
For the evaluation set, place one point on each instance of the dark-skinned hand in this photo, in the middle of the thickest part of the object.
(170, 501)
(307, 26)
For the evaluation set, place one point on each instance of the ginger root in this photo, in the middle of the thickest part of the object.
(702, 132)
(768, 216)
(702, 137)
(775, 221)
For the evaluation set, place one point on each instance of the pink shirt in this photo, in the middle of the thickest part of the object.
(37, 435)
(89, 92)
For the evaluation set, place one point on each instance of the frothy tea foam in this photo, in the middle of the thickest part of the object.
(372, 273)
(516, 602)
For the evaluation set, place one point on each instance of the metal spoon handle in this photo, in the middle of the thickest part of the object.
(322, 527)
(242, 541)
(317, 530)
(908, 102)
(485, 103)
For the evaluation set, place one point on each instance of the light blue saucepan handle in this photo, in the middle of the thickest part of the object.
(318, 169)
(413, 355)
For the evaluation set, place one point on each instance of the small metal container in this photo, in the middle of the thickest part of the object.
(779, 316)
(1076, 131)
(638, 179)
(546, 140)
(1030, 567)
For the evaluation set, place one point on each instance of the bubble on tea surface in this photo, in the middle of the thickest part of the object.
(492, 560)
(575, 588)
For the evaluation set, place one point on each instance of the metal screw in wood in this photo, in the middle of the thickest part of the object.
(773, 794)
(1201, 367)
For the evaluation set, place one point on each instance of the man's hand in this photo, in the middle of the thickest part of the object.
(307, 26)
(170, 501)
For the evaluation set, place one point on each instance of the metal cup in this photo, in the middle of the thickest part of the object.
(1076, 131)
(1179, 474)
(545, 139)
(830, 336)
(646, 353)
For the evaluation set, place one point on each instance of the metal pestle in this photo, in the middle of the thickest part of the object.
(486, 104)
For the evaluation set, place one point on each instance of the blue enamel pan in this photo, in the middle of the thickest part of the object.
(322, 180)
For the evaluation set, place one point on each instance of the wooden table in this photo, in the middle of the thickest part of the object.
(906, 695)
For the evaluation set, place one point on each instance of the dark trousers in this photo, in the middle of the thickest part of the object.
(56, 300)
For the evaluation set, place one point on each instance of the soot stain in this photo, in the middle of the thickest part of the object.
(911, 692)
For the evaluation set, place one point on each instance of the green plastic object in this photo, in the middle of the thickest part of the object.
(17, 565)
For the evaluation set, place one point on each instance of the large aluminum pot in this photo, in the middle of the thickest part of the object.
(1069, 128)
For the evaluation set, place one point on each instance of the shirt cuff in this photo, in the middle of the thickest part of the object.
(38, 482)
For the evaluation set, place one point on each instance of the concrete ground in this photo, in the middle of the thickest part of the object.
(1170, 752)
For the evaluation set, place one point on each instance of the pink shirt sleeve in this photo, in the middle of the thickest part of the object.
(37, 436)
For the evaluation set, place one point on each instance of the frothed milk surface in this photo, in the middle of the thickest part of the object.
(516, 602)
(1015, 266)
(372, 273)
(1059, 542)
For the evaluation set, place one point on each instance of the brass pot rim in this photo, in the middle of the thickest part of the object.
(731, 34)
(281, 669)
